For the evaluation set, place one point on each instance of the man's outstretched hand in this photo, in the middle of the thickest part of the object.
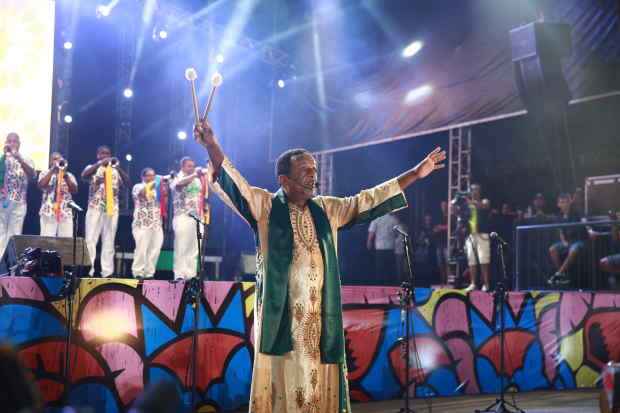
(432, 162)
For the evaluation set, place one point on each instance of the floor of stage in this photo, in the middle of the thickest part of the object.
(569, 401)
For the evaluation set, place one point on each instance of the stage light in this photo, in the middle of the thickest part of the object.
(163, 34)
(412, 49)
(108, 325)
(418, 93)
(68, 45)
(182, 135)
(129, 157)
(219, 58)
(281, 83)
(68, 118)
(128, 93)
(363, 99)
(103, 11)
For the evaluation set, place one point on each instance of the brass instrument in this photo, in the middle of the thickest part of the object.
(114, 162)
(62, 164)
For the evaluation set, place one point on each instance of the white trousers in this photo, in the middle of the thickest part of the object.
(99, 224)
(185, 247)
(11, 222)
(478, 244)
(146, 254)
(50, 227)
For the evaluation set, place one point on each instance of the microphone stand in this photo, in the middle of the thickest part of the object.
(407, 300)
(501, 405)
(69, 287)
(194, 294)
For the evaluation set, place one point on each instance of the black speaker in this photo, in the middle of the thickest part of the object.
(18, 244)
(537, 50)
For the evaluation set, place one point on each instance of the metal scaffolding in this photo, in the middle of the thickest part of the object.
(459, 180)
(326, 173)
(124, 106)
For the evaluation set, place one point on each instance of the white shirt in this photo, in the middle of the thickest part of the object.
(383, 228)
(15, 180)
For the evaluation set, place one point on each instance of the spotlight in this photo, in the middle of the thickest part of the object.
(128, 93)
(281, 83)
(182, 135)
(163, 34)
(412, 49)
(128, 157)
(68, 118)
(68, 45)
(363, 99)
(418, 93)
(103, 11)
(219, 58)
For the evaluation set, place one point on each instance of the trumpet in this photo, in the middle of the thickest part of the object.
(62, 164)
(114, 162)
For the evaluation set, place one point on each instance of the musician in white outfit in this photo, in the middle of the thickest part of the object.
(147, 225)
(101, 218)
(56, 215)
(189, 199)
(15, 172)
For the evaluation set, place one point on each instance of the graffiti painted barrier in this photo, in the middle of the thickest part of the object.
(128, 333)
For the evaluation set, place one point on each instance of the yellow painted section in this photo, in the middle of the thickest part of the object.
(428, 309)
(60, 306)
(571, 349)
(586, 377)
(546, 301)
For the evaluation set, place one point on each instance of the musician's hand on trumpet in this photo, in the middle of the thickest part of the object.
(60, 165)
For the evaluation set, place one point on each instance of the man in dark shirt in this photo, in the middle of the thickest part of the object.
(571, 246)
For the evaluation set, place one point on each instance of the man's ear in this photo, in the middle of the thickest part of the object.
(281, 180)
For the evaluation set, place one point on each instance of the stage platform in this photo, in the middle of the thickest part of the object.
(127, 333)
(568, 401)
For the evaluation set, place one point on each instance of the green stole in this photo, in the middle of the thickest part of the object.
(276, 318)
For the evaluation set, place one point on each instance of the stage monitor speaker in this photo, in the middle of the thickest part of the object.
(63, 246)
(537, 50)
(602, 195)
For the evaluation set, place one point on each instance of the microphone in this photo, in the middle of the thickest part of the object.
(75, 206)
(314, 186)
(400, 230)
(195, 217)
(499, 239)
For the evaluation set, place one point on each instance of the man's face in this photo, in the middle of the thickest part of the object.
(103, 153)
(564, 204)
(506, 210)
(301, 182)
(428, 220)
(444, 207)
(149, 176)
(54, 158)
(475, 191)
(12, 141)
(539, 202)
(188, 167)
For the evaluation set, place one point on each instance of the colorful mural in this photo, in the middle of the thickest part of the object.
(128, 333)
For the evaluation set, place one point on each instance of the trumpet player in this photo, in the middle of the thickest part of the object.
(105, 178)
(189, 193)
(58, 185)
(15, 172)
(148, 198)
